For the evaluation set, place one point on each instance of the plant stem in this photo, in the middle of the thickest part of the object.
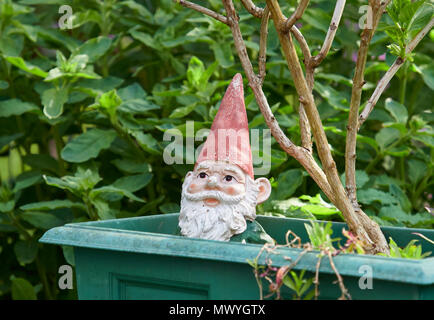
(403, 86)
(43, 276)
(59, 146)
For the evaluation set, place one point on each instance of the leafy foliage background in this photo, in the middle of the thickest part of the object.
(83, 113)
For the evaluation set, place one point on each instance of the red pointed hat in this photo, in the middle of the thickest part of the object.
(228, 139)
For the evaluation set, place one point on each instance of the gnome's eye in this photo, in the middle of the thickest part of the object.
(229, 178)
(202, 175)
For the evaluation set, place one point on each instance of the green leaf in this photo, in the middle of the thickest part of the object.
(53, 101)
(131, 166)
(425, 138)
(27, 67)
(4, 85)
(395, 213)
(41, 220)
(369, 196)
(401, 196)
(109, 102)
(133, 183)
(41, 162)
(397, 110)
(5, 140)
(139, 9)
(112, 189)
(51, 205)
(138, 106)
(169, 208)
(336, 99)
(27, 179)
(427, 73)
(7, 206)
(195, 71)
(386, 136)
(11, 46)
(421, 16)
(26, 251)
(85, 178)
(416, 170)
(68, 253)
(103, 209)
(182, 111)
(223, 54)
(319, 210)
(401, 151)
(15, 107)
(146, 39)
(88, 145)
(133, 91)
(287, 184)
(147, 142)
(22, 290)
(94, 48)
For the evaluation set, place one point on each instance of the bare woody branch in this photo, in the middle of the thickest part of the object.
(305, 131)
(312, 62)
(298, 13)
(381, 86)
(203, 10)
(377, 8)
(262, 58)
(302, 42)
(336, 18)
(299, 153)
(254, 10)
(363, 231)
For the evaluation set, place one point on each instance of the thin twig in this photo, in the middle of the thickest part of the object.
(298, 13)
(345, 295)
(337, 14)
(262, 58)
(382, 84)
(302, 42)
(254, 10)
(316, 281)
(305, 132)
(203, 10)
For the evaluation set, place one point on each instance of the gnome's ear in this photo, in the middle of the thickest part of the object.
(264, 189)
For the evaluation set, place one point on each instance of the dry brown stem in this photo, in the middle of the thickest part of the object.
(358, 82)
(253, 10)
(203, 10)
(298, 13)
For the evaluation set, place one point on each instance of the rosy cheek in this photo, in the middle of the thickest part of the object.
(192, 188)
(231, 191)
(234, 190)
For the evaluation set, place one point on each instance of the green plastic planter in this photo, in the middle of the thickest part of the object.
(141, 258)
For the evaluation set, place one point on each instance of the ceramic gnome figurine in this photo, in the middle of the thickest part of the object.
(219, 197)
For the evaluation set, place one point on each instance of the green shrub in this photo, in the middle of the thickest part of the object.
(83, 113)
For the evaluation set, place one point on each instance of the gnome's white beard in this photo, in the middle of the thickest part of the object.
(197, 220)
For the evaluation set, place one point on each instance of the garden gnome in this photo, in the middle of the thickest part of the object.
(220, 195)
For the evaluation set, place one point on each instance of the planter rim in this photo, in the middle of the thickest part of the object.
(90, 235)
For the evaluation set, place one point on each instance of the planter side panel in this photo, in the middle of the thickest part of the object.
(105, 274)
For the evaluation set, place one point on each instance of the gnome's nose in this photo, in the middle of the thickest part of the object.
(212, 182)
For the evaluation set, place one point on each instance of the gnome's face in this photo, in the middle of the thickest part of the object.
(217, 198)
